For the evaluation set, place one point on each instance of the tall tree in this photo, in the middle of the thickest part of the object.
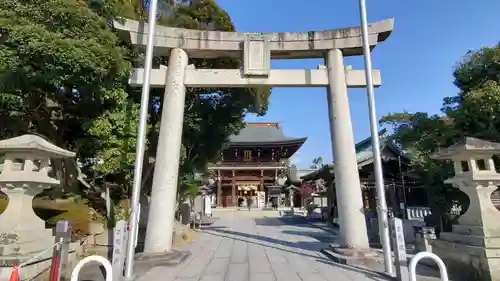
(472, 112)
(64, 73)
(317, 163)
(211, 115)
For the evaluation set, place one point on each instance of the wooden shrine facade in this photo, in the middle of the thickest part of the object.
(253, 161)
(403, 190)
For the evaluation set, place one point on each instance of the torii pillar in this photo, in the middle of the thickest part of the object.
(258, 49)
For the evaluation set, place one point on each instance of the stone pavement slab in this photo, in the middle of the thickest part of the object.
(258, 245)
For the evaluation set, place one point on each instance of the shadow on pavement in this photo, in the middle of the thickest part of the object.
(265, 221)
(320, 236)
(367, 272)
(274, 221)
(310, 246)
(234, 235)
(214, 227)
(424, 272)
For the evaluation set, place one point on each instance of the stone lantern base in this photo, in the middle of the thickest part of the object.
(31, 271)
(23, 235)
(24, 250)
(27, 243)
(472, 257)
(24, 174)
(472, 250)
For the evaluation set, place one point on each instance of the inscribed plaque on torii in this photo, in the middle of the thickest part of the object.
(257, 55)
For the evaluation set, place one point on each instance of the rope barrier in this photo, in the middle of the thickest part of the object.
(35, 257)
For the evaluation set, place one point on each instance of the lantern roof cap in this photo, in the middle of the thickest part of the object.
(31, 143)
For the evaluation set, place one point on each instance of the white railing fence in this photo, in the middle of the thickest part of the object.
(414, 261)
(98, 259)
(417, 213)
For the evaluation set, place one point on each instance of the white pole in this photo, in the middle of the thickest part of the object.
(377, 163)
(141, 142)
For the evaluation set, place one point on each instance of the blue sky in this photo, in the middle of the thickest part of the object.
(416, 61)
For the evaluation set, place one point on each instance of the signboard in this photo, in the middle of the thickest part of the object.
(320, 201)
(119, 245)
(399, 246)
(274, 190)
(261, 199)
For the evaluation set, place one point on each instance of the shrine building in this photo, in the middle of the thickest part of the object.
(252, 164)
(405, 195)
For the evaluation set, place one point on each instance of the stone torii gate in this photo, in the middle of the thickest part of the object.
(258, 49)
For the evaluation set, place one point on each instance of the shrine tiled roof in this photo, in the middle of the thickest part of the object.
(364, 153)
(263, 133)
(364, 148)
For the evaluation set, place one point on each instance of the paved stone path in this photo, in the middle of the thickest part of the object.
(258, 246)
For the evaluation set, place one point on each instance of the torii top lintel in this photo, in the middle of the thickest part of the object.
(205, 44)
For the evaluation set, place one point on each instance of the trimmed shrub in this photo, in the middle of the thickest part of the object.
(53, 210)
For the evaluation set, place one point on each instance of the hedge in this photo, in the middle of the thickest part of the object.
(53, 210)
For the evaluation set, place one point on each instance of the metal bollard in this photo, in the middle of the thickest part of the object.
(413, 265)
(56, 264)
(59, 269)
(103, 261)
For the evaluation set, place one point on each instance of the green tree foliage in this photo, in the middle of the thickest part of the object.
(190, 189)
(317, 163)
(211, 115)
(472, 112)
(60, 68)
(64, 73)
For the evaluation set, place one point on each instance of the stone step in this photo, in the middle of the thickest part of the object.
(472, 240)
(468, 229)
(364, 260)
(205, 220)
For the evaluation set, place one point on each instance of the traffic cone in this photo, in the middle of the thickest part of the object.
(14, 276)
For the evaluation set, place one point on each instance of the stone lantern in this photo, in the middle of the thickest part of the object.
(24, 174)
(281, 180)
(472, 249)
